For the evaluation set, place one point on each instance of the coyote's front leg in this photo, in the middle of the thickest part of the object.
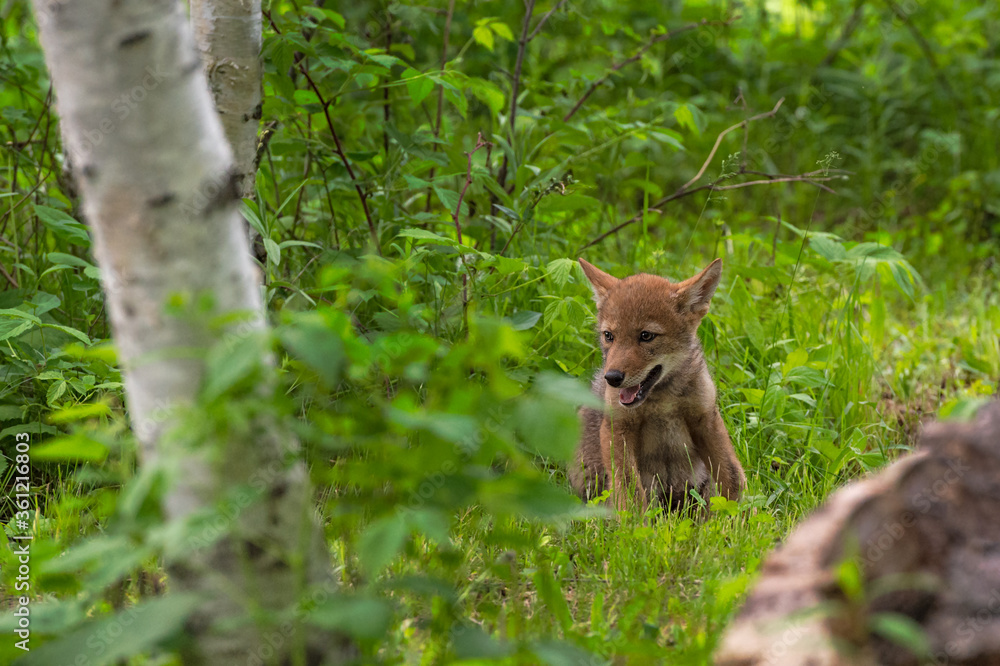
(712, 444)
(618, 454)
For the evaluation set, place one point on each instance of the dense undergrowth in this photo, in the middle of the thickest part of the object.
(436, 338)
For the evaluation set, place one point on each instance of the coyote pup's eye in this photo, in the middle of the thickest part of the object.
(646, 336)
(608, 336)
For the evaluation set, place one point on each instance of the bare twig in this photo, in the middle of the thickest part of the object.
(816, 178)
(545, 17)
(924, 46)
(480, 143)
(522, 45)
(456, 216)
(440, 104)
(385, 91)
(850, 26)
(718, 141)
(638, 54)
(10, 279)
(339, 146)
(444, 61)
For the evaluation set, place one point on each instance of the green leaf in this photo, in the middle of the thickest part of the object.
(449, 199)
(827, 248)
(902, 630)
(273, 251)
(63, 225)
(79, 335)
(67, 259)
(381, 542)
(423, 234)
(524, 319)
(502, 30)
(231, 363)
(418, 85)
(489, 94)
(483, 35)
(12, 329)
(685, 119)
(32, 428)
(559, 270)
(112, 639)
(457, 98)
(360, 617)
(56, 391)
(75, 447)
(550, 593)
(471, 642)
(11, 412)
(80, 412)
(311, 340)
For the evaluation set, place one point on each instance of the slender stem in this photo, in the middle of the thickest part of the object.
(522, 45)
(718, 140)
(812, 177)
(541, 22)
(339, 146)
(638, 54)
(440, 104)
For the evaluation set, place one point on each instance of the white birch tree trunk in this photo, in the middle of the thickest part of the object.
(228, 33)
(160, 195)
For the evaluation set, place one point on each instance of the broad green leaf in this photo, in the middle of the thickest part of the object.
(80, 412)
(360, 617)
(524, 319)
(483, 35)
(827, 248)
(685, 119)
(63, 225)
(317, 345)
(559, 270)
(75, 447)
(418, 85)
(273, 251)
(112, 639)
(381, 542)
(423, 234)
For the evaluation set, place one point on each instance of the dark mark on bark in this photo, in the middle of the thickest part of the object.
(161, 200)
(134, 38)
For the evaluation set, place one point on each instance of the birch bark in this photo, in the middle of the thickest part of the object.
(160, 195)
(228, 33)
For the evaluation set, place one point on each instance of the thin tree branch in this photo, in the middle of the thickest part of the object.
(440, 104)
(816, 178)
(10, 279)
(718, 141)
(339, 146)
(444, 61)
(924, 46)
(850, 26)
(458, 222)
(638, 54)
(385, 91)
(480, 143)
(541, 22)
(522, 45)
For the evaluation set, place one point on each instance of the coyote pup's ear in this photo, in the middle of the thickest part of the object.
(695, 293)
(600, 281)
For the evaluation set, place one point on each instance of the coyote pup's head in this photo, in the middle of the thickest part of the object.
(647, 325)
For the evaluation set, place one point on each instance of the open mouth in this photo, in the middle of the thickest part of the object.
(634, 395)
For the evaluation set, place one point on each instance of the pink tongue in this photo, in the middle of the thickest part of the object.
(627, 395)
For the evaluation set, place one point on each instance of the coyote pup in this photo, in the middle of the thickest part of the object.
(661, 432)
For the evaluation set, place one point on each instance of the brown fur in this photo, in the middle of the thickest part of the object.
(675, 439)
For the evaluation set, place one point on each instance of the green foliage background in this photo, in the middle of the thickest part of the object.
(435, 333)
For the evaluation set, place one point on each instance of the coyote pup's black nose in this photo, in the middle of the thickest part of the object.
(615, 377)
